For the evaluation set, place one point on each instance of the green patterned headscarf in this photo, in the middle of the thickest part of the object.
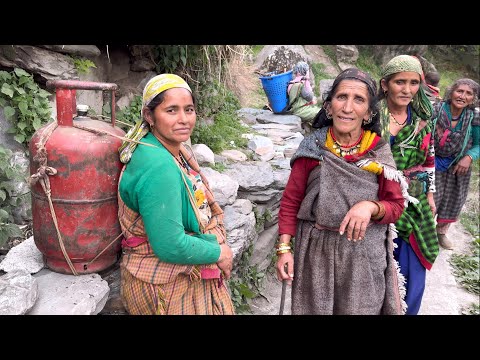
(421, 104)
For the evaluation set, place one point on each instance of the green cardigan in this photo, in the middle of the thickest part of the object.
(152, 185)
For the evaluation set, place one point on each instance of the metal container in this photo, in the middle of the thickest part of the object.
(84, 188)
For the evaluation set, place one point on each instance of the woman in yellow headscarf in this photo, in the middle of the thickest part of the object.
(174, 252)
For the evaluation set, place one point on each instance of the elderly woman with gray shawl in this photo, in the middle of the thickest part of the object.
(457, 145)
(342, 195)
(174, 251)
(406, 124)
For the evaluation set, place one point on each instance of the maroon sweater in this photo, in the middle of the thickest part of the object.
(389, 194)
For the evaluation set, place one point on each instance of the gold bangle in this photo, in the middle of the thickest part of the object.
(381, 211)
(279, 252)
(282, 244)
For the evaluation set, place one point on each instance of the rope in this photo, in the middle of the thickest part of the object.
(191, 197)
(85, 267)
(44, 171)
(110, 244)
(42, 175)
(95, 131)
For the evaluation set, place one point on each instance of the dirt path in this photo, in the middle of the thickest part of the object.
(443, 296)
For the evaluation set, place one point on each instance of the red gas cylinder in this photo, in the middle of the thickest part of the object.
(83, 189)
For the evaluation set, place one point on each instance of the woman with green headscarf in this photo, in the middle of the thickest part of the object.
(175, 256)
(406, 124)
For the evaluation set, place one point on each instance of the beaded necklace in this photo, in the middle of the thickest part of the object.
(346, 149)
(181, 160)
(395, 120)
(407, 121)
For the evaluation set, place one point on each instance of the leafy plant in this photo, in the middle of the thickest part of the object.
(319, 74)
(218, 167)
(24, 104)
(170, 57)
(245, 283)
(330, 52)
(225, 133)
(473, 309)
(256, 49)
(9, 171)
(466, 268)
(199, 63)
(132, 113)
(213, 100)
(82, 64)
(366, 62)
(260, 220)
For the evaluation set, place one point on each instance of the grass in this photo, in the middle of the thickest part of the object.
(225, 133)
(471, 217)
(366, 62)
(474, 309)
(258, 99)
(450, 70)
(330, 52)
(246, 283)
(466, 266)
(256, 49)
(218, 167)
(319, 73)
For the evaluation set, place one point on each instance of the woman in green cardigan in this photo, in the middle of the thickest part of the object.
(174, 252)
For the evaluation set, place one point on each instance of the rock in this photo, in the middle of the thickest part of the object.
(18, 292)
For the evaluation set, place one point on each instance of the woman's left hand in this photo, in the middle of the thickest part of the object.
(357, 219)
(463, 165)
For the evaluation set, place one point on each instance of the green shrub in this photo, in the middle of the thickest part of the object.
(245, 283)
(224, 134)
(214, 101)
(366, 62)
(319, 74)
(82, 64)
(24, 104)
(9, 172)
(330, 52)
(218, 167)
(132, 113)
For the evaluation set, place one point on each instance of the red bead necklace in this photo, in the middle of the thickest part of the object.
(346, 146)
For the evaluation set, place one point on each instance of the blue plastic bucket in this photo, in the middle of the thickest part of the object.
(275, 87)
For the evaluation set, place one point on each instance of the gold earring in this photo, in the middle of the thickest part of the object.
(370, 119)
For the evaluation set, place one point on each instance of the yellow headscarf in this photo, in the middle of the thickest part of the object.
(155, 86)
(159, 84)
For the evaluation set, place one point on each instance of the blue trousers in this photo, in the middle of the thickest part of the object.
(414, 273)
